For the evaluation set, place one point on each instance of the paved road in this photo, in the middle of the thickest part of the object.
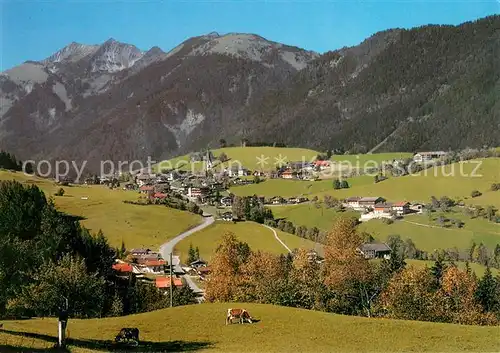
(168, 248)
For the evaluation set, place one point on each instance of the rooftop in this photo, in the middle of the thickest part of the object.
(164, 282)
(375, 247)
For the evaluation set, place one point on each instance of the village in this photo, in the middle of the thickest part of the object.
(210, 190)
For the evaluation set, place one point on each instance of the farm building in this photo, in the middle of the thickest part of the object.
(375, 251)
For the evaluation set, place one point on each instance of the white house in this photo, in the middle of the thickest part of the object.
(421, 157)
(237, 172)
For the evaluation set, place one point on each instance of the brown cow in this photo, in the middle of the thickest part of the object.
(241, 314)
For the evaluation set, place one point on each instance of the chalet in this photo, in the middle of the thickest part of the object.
(146, 189)
(352, 202)
(154, 266)
(277, 200)
(146, 258)
(122, 268)
(160, 196)
(144, 179)
(288, 174)
(140, 251)
(313, 256)
(164, 282)
(226, 201)
(375, 250)
(237, 171)
(227, 216)
(198, 263)
(382, 209)
(369, 202)
(417, 207)
(421, 157)
(322, 164)
(401, 208)
(195, 192)
(204, 271)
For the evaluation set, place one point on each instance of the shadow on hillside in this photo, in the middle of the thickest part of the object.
(105, 345)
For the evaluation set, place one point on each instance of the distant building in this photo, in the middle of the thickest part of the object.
(401, 208)
(227, 216)
(195, 192)
(164, 282)
(369, 202)
(421, 157)
(288, 174)
(375, 251)
(237, 172)
(352, 202)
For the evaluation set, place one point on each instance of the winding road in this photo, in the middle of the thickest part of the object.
(168, 248)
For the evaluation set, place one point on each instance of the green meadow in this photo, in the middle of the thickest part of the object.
(478, 269)
(102, 208)
(279, 329)
(457, 181)
(354, 159)
(256, 235)
(253, 158)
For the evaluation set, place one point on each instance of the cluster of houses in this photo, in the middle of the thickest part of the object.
(377, 207)
(149, 266)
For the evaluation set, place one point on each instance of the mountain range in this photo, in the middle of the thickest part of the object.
(432, 87)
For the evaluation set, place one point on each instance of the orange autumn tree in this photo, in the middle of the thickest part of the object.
(263, 278)
(409, 295)
(346, 272)
(226, 264)
(306, 281)
(458, 301)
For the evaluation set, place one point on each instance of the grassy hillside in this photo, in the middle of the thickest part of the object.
(257, 236)
(428, 236)
(363, 158)
(247, 156)
(291, 188)
(439, 181)
(478, 269)
(103, 209)
(308, 215)
(280, 329)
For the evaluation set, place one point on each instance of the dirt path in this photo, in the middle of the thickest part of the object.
(277, 238)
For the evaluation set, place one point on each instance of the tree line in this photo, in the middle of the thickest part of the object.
(346, 283)
(61, 259)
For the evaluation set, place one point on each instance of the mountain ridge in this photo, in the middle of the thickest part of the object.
(114, 101)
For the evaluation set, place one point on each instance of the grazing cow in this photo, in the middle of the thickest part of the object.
(241, 314)
(128, 334)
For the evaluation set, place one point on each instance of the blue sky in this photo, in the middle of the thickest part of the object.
(32, 30)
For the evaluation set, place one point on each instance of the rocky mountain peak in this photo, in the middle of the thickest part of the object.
(113, 56)
(72, 52)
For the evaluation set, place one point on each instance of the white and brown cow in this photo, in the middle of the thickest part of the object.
(241, 314)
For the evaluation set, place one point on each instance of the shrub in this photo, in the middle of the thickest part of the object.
(475, 193)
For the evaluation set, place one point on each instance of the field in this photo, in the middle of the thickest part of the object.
(455, 181)
(430, 237)
(137, 226)
(354, 159)
(293, 188)
(279, 329)
(478, 269)
(257, 236)
(308, 215)
(247, 156)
